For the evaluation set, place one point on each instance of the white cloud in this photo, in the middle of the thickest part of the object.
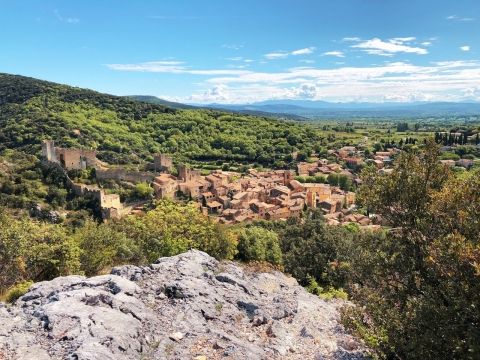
(276, 55)
(390, 47)
(305, 51)
(465, 48)
(173, 67)
(393, 81)
(284, 54)
(307, 91)
(233, 46)
(353, 38)
(334, 53)
(401, 40)
(459, 18)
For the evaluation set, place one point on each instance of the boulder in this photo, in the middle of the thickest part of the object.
(188, 306)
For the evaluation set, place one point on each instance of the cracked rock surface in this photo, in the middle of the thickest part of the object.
(188, 306)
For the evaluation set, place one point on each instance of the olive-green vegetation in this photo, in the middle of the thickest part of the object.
(171, 229)
(125, 131)
(317, 255)
(259, 244)
(17, 291)
(36, 250)
(419, 283)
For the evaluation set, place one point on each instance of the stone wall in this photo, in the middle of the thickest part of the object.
(124, 175)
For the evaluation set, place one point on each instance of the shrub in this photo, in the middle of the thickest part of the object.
(327, 294)
(259, 244)
(172, 228)
(312, 249)
(104, 246)
(142, 191)
(17, 291)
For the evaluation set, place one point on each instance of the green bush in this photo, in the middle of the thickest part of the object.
(143, 191)
(327, 294)
(104, 246)
(259, 244)
(312, 249)
(173, 228)
(17, 291)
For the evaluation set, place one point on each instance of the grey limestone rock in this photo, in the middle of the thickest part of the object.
(188, 306)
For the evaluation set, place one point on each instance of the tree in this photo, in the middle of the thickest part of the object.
(402, 127)
(104, 246)
(259, 244)
(310, 248)
(143, 191)
(420, 282)
(13, 239)
(172, 228)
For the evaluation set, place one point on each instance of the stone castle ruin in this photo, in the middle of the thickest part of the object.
(69, 159)
(81, 159)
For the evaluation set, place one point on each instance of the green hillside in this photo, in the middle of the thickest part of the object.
(157, 101)
(128, 131)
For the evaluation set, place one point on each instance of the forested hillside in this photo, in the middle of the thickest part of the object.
(127, 131)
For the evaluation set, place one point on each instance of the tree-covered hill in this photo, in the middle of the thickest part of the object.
(128, 131)
(157, 101)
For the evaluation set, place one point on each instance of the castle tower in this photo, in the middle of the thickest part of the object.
(311, 199)
(182, 172)
(48, 150)
(163, 163)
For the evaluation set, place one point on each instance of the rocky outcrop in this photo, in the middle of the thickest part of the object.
(188, 306)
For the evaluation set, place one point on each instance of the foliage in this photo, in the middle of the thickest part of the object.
(104, 246)
(420, 290)
(13, 238)
(327, 294)
(312, 249)
(17, 291)
(143, 191)
(36, 251)
(340, 180)
(259, 244)
(171, 229)
(125, 131)
(50, 253)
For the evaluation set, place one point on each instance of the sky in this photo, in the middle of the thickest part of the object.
(226, 51)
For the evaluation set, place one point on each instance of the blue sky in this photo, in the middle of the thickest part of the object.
(251, 50)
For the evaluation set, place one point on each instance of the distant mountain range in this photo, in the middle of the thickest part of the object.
(310, 109)
(322, 109)
(175, 105)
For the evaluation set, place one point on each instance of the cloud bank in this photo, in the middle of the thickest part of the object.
(394, 81)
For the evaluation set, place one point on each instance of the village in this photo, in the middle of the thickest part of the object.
(231, 197)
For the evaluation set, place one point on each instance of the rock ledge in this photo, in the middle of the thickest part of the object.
(188, 306)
